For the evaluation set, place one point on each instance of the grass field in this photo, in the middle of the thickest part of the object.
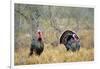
(52, 21)
(53, 55)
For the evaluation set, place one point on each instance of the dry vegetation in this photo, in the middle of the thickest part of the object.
(53, 55)
(53, 21)
(56, 54)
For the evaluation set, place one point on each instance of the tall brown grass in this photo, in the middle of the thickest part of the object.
(53, 55)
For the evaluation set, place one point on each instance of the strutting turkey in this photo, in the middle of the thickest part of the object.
(70, 40)
(37, 44)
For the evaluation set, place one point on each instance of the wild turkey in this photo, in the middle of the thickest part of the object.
(37, 44)
(70, 40)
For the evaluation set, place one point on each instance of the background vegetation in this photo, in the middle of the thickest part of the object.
(53, 21)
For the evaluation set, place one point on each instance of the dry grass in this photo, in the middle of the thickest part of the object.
(53, 55)
(86, 38)
(24, 32)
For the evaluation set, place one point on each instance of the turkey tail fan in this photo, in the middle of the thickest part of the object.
(70, 40)
(65, 36)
